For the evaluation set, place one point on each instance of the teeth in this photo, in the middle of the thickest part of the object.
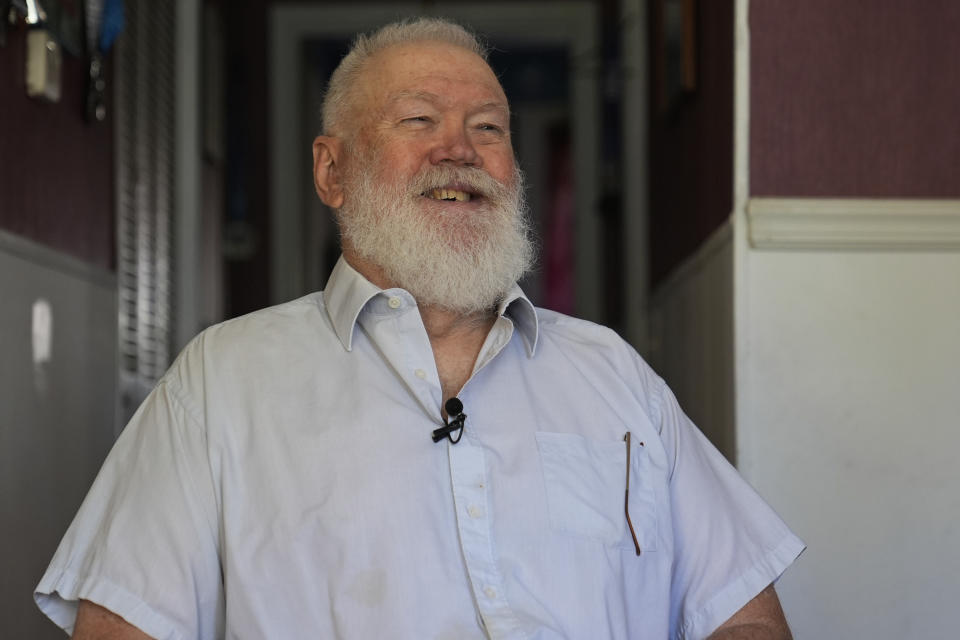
(449, 194)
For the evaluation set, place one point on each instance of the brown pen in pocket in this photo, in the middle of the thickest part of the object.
(626, 497)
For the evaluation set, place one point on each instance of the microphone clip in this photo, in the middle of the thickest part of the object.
(457, 419)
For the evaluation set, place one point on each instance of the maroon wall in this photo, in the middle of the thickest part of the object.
(855, 98)
(691, 143)
(56, 171)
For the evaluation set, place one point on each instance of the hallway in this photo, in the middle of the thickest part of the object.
(762, 197)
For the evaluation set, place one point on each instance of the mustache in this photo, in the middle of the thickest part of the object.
(472, 179)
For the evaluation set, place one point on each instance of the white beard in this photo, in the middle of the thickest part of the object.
(463, 263)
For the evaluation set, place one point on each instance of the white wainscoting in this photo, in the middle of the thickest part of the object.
(56, 415)
(692, 337)
(848, 422)
(843, 411)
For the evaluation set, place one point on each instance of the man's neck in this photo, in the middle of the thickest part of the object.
(456, 338)
(456, 341)
(443, 324)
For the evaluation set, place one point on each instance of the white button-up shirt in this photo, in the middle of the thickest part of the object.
(281, 482)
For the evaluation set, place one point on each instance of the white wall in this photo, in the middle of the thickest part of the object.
(847, 391)
(56, 415)
(847, 414)
(849, 420)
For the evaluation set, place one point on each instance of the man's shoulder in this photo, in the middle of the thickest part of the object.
(589, 342)
(271, 333)
(301, 314)
(575, 349)
(554, 325)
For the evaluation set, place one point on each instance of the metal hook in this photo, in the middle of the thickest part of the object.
(35, 13)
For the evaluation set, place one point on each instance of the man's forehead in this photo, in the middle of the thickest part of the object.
(402, 96)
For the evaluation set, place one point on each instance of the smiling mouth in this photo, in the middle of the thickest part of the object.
(449, 195)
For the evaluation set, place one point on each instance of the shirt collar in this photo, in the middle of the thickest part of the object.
(348, 292)
(517, 306)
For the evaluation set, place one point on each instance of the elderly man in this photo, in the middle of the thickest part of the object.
(417, 452)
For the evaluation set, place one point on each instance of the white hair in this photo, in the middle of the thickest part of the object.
(337, 99)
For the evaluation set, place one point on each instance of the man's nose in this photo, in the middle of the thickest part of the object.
(455, 147)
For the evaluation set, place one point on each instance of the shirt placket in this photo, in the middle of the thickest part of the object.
(470, 494)
(403, 342)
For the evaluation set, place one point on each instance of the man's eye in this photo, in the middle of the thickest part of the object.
(490, 127)
(415, 119)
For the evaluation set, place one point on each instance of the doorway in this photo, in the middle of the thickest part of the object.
(553, 118)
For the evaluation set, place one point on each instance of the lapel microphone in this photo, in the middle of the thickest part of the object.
(455, 423)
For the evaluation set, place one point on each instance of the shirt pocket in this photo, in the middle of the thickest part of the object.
(585, 480)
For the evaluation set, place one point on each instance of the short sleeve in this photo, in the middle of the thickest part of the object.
(144, 543)
(729, 544)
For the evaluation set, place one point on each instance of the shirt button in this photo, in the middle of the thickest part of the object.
(490, 592)
(420, 373)
(394, 302)
(475, 511)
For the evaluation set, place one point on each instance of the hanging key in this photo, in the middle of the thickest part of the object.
(44, 56)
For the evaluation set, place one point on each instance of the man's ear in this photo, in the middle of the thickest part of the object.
(327, 170)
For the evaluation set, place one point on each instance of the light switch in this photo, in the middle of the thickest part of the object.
(42, 331)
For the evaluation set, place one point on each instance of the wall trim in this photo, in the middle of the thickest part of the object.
(44, 256)
(854, 223)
